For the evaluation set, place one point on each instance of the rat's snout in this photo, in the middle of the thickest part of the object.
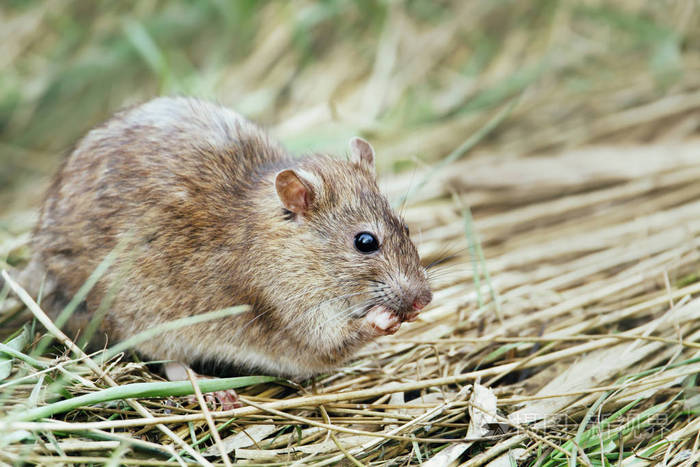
(423, 297)
(413, 296)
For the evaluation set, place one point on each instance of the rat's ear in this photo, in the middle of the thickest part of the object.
(362, 153)
(295, 190)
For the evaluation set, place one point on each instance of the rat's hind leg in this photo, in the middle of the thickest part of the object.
(35, 278)
(8, 303)
(227, 400)
(32, 278)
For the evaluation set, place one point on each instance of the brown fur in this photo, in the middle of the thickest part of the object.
(189, 187)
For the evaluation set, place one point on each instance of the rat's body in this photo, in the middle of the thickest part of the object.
(210, 213)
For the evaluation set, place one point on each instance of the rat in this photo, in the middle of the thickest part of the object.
(212, 213)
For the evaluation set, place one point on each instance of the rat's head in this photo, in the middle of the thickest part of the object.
(362, 273)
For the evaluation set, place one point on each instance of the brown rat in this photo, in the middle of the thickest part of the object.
(215, 214)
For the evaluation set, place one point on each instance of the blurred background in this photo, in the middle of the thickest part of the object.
(417, 78)
(568, 128)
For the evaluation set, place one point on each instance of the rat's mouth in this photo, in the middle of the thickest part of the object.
(386, 321)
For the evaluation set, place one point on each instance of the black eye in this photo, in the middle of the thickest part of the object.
(365, 242)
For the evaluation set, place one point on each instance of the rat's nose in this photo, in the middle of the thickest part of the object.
(422, 299)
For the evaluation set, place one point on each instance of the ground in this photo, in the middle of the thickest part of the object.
(547, 151)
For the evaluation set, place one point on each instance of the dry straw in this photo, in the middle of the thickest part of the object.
(566, 226)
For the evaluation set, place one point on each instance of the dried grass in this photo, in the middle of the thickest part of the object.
(571, 291)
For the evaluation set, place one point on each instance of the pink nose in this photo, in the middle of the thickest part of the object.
(421, 301)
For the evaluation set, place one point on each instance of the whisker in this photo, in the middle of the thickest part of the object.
(298, 316)
(375, 296)
(304, 314)
(342, 314)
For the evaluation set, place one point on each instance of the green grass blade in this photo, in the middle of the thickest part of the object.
(10, 350)
(140, 391)
(169, 326)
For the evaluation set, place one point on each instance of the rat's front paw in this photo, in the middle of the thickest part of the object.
(383, 320)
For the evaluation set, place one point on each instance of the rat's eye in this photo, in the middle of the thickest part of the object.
(366, 242)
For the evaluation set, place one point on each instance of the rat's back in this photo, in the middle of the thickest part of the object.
(169, 175)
